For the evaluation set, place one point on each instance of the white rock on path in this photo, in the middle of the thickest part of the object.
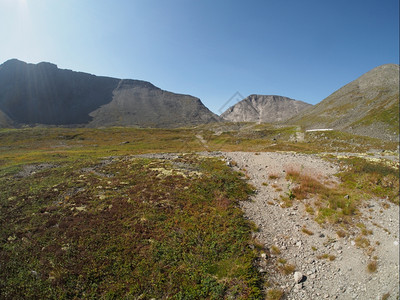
(298, 276)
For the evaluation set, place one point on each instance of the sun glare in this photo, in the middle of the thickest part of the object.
(21, 5)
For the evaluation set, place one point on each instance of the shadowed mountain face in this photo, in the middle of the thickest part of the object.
(43, 94)
(366, 106)
(264, 109)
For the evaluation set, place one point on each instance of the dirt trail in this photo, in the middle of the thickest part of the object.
(345, 277)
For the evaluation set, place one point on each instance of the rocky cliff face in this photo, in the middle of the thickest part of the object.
(367, 106)
(138, 103)
(264, 109)
(43, 94)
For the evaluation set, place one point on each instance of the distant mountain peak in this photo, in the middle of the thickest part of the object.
(264, 109)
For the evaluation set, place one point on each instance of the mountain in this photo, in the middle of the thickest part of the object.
(44, 94)
(366, 106)
(142, 104)
(264, 108)
(5, 121)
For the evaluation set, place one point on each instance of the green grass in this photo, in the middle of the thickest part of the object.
(122, 227)
(386, 113)
(32, 145)
(371, 178)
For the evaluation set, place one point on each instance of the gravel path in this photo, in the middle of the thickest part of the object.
(345, 277)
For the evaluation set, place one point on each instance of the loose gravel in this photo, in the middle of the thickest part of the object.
(346, 275)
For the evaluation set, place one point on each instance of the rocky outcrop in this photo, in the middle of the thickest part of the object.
(44, 94)
(264, 109)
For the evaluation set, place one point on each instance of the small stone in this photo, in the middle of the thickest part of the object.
(298, 287)
(352, 243)
(337, 247)
(396, 243)
(298, 244)
(298, 276)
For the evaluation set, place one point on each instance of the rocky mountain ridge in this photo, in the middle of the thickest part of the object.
(264, 109)
(42, 93)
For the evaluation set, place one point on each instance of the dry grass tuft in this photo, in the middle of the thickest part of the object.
(362, 242)
(282, 260)
(341, 233)
(287, 269)
(327, 256)
(273, 176)
(274, 294)
(275, 250)
(306, 231)
(292, 172)
(310, 209)
(372, 266)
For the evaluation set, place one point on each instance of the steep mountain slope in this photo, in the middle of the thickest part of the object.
(43, 94)
(264, 108)
(139, 103)
(5, 121)
(367, 106)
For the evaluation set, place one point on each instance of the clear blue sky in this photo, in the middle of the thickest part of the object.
(210, 49)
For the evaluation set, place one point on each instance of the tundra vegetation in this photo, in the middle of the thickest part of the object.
(85, 214)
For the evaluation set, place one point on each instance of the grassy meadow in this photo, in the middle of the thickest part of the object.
(84, 214)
